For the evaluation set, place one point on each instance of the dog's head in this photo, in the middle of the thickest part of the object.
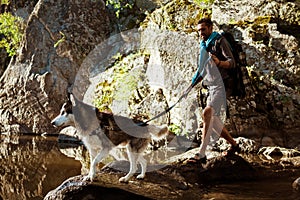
(65, 117)
(77, 114)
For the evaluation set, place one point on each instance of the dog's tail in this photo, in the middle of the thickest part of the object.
(158, 132)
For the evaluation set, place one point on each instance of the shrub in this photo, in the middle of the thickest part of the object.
(11, 31)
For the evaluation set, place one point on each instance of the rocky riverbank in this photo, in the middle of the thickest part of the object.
(139, 59)
(178, 179)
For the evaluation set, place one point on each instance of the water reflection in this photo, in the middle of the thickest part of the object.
(31, 166)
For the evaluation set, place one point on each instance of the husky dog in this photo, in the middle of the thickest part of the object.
(101, 132)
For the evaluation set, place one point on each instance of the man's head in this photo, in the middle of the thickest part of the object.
(205, 27)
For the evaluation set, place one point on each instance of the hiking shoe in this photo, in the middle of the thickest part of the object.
(197, 158)
(203, 160)
(234, 149)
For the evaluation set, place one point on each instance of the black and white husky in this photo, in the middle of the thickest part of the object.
(101, 132)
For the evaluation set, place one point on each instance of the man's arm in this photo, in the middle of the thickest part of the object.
(225, 49)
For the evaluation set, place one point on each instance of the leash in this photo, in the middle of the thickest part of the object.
(170, 108)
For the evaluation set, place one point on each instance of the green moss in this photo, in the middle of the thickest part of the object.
(119, 6)
(120, 85)
(125, 84)
(104, 95)
(262, 20)
(180, 15)
(257, 27)
(176, 129)
(5, 2)
(258, 21)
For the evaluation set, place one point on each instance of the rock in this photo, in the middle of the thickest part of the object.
(184, 178)
(74, 188)
(270, 152)
(228, 168)
(58, 37)
(296, 184)
(283, 11)
(246, 145)
(267, 141)
(4, 60)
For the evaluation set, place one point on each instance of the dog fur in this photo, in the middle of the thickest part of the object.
(101, 132)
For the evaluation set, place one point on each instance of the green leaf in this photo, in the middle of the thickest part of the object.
(11, 28)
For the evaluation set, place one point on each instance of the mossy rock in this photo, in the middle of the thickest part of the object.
(178, 15)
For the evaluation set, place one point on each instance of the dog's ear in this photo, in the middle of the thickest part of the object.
(73, 99)
(69, 92)
(68, 96)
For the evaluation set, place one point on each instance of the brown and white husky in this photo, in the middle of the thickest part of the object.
(101, 132)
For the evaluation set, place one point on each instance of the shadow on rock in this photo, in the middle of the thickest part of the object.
(75, 189)
(227, 169)
(217, 169)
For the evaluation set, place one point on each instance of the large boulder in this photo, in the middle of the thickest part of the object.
(58, 37)
(284, 11)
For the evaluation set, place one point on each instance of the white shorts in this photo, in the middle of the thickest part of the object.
(217, 100)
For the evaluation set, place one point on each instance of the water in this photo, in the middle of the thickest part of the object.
(268, 189)
(31, 166)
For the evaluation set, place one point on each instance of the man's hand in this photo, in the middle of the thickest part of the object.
(215, 59)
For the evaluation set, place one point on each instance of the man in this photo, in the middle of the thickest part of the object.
(215, 53)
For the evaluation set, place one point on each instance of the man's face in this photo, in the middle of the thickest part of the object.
(204, 31)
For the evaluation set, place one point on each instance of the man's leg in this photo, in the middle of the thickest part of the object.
(224, 132)
(226, 135)
(207, 130)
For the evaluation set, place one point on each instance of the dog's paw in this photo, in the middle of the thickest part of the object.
(141, 176)
(123, 180)
(89, 177)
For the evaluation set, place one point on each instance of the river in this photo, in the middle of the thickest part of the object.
(31, 166)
